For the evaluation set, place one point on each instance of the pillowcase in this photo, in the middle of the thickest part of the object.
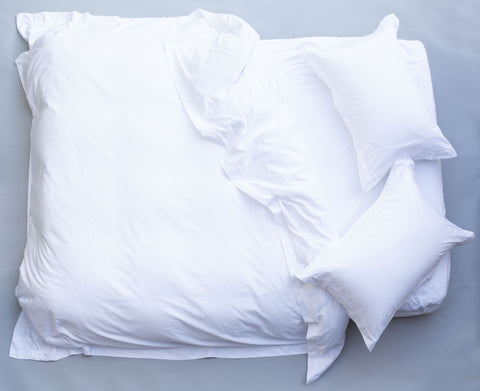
(378, 101)
(385, 254)
(326, 134)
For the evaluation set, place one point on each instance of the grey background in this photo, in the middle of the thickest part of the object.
(440, 351)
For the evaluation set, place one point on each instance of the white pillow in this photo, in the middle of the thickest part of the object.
(378, 101)
(326, 134)
(386, 254)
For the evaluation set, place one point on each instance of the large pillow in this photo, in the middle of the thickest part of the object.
(386, 253)
(379, 101)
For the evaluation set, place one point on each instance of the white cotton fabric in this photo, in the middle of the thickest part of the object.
(385, 254)
(378, 101)
(333, 153)
(147, 236)
(136, 239)
(263, 154)
(172, 195)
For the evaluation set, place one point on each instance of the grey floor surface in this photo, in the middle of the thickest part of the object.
(440, 351)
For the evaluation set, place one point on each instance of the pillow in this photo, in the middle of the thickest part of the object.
(385, 254)
(378, 101)
(326, 134)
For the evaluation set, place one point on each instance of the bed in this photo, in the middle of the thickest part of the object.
(246, 165)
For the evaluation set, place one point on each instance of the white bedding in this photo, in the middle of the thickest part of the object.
(181, 173)
(332, 150)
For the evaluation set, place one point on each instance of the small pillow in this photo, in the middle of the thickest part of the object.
(384, 256)
(378, 101)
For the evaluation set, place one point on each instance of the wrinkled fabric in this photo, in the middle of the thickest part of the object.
(332, 150)
(263, 153)
(377, 99)
(177, 184)
(138, 243)
(387, 252)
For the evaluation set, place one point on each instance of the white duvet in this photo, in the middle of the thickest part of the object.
(181, 173)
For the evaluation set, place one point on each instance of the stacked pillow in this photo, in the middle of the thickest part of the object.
(390, 249)
(379, 102)
(386, 254)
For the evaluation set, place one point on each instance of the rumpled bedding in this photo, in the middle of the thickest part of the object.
(178, 182)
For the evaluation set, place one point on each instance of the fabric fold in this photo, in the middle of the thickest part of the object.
(230, 92)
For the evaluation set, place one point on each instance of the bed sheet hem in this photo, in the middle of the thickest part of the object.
(27, 346)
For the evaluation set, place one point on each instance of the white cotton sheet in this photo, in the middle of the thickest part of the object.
(136, 239)
(172, 195)
(263, 153)
(138, 244)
